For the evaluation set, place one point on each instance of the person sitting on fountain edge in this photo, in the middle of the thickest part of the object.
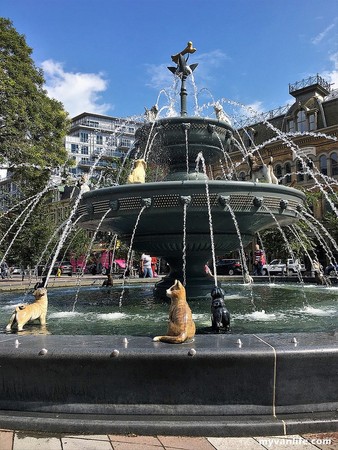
(259, 261)
(146, 266)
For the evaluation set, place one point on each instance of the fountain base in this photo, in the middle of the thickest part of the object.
(82, 385)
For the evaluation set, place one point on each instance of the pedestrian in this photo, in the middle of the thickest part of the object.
(154, 266)
(146, 266)
(258, 261)
(4, 270)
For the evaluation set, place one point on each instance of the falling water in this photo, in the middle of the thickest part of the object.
(287, 244)
(130, 250)
(242, 252)
(198, 159)
(80, 276)
(184, 253)
(186, 147)
(32, 205)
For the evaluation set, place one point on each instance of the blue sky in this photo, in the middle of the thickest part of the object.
(111, 56)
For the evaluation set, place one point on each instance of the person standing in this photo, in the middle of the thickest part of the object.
(146, 266)
(259, 261)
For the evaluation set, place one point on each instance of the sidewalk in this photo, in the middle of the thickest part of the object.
(11, 440)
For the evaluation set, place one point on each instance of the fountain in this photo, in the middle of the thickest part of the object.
(182, 142)
(220, 384)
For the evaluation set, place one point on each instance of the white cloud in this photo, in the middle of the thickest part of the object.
(160, 77)
(77, 91)
(317, 39)
(332, 75)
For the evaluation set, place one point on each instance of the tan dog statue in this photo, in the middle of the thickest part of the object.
(27, 312)
(138, 175)
(261, 170)
(181, 325)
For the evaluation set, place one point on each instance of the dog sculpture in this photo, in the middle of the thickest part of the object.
(220, 316)
(28, 312)
(151, 114)
(261, 170)
(220, 114)
(181, 326)
(138, 175)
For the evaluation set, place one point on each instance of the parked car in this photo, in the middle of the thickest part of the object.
(65, 266)
(15, 270)
(276, 267)
(228, 267)
(331, 270)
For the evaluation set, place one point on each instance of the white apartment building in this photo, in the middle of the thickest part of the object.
(94, 135)
(91, 136)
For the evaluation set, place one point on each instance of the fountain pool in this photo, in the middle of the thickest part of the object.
(257, 308)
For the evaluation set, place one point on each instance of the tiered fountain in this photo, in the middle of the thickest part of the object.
(219, 385)
(184, 142)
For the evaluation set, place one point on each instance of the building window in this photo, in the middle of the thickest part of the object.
(309, 165)
(334, 164)
(287, 169)
(301, 121)
(249, 137)
(323, 164)
(83, 137)
(99, 139)
(312, 122)
(278, 171)
(84, 150)
(291, 125)
(300, 173)
(125, 142)
(93, 123)
(74, 148)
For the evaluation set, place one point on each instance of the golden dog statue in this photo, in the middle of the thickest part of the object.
(138, 175)
(181, 325)
(28, 312)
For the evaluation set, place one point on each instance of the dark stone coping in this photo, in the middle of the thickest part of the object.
(268, 385)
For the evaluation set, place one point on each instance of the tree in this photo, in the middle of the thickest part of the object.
(280, 242)
(32, 131)
(32, 125)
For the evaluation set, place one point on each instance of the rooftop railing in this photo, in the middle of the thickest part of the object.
(317, 79)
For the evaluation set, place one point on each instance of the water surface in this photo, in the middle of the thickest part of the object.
(257, 308)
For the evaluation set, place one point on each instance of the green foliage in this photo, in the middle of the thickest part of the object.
(32, 125)
(278, 242)
(32, 131)
(32, 238)
(331, 224)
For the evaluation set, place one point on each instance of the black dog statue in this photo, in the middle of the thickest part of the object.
(220, 316)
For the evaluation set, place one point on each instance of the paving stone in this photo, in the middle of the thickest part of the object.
(295, 442)
(135, 440)
(36, 443)
(69, 443)
(185, 443)
(95, 437)
(6, 439)
(233, 443)
(323, 441)
(130, 446)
